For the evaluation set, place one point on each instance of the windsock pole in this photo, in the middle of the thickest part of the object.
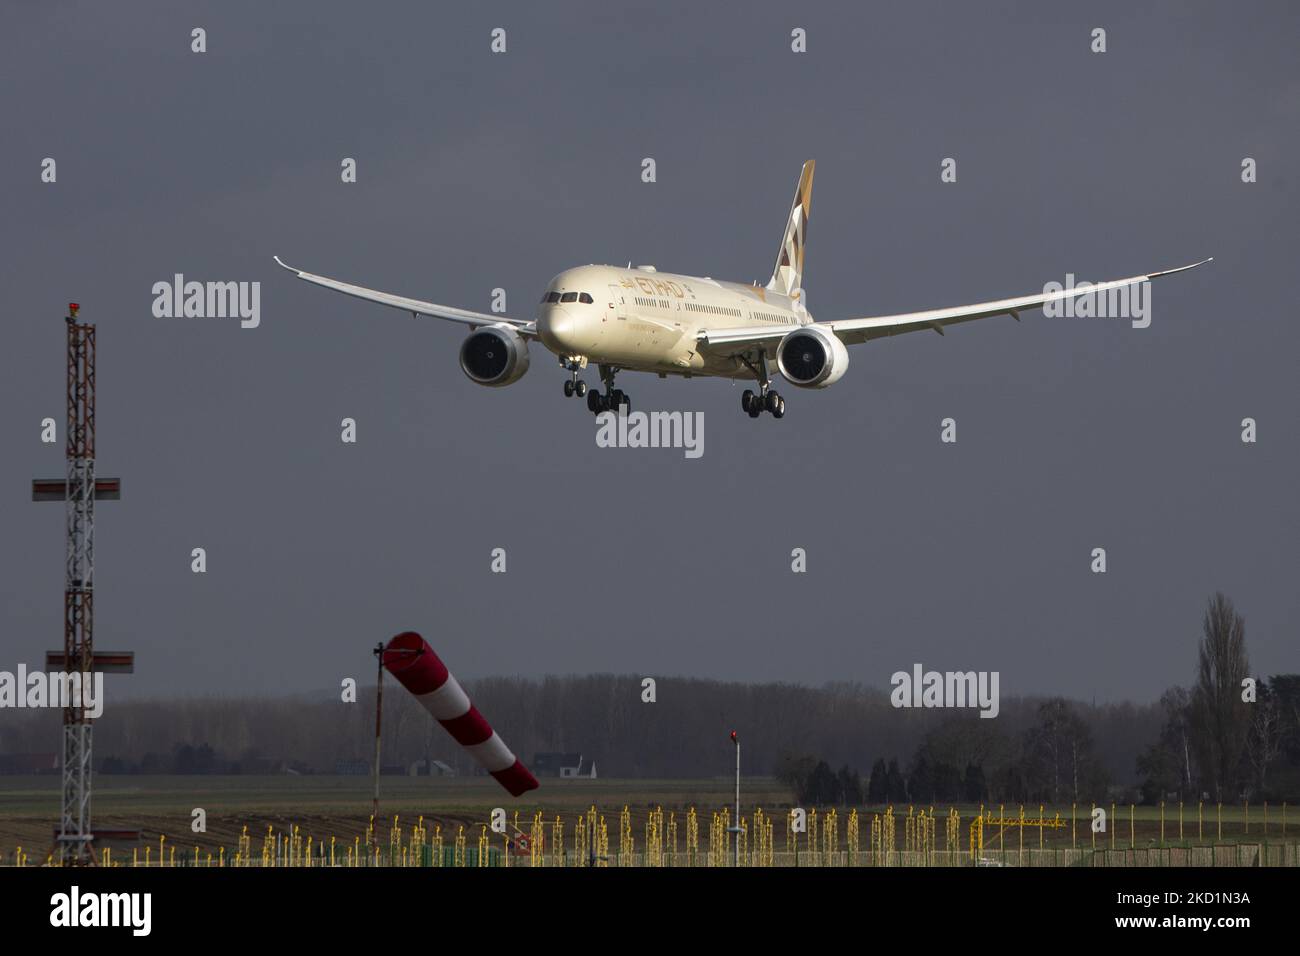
(736, 828)
(379, 713)
(410, 659)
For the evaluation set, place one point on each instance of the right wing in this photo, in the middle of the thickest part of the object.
(414, 306)
(856, 331)
(852, 331)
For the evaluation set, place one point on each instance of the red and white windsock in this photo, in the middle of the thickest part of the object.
(412, 661)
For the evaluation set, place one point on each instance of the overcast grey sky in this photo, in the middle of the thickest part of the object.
(478, 170)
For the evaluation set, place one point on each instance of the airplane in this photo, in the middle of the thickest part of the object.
(642, 320)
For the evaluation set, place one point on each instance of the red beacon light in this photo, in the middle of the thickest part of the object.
(73, 308)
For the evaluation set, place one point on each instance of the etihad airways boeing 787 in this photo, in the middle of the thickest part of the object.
(642, 320)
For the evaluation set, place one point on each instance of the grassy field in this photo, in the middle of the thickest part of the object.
(339, 806)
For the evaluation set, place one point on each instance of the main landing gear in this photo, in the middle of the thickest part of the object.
(597, 402)
(766, 400)
(612, 397)
(755, 405)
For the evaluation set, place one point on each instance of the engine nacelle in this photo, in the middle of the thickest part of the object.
(494, 355)
(812, 358)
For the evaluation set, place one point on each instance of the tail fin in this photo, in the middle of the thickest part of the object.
(787, 276)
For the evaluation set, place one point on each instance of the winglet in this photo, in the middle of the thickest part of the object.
(1169, 272)
(282, 265)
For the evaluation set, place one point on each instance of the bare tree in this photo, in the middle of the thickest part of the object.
(1173, 750)
(1058, 746)
(1264, 737)
(1219, 715)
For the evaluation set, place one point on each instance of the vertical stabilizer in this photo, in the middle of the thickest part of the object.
(787, 276)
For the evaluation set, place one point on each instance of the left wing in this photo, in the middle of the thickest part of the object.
(853, 331)
(414, 306)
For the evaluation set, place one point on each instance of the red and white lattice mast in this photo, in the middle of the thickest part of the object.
(79, 489)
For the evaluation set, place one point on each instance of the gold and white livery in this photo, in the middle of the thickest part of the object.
(643, 320)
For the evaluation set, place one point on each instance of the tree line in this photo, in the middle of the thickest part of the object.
(1227, 737)
(1201, 739)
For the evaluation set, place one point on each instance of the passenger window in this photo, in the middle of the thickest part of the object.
(553, 297)
(585, 298)
(569, 297)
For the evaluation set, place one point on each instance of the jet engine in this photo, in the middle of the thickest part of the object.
(812, 358)
(494, 355)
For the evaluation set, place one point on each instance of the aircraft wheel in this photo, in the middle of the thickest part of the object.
(779, 411)
(568, 389)
(593, 401)
(580, 389)
(755, 409)
(773, 400)
(746, 399)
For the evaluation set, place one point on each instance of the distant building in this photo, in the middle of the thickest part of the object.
(570, 765)
(583, 768)
(29, 763)
(352, 768)
(430, 768)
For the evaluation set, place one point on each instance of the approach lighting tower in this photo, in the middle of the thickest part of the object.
(78, 490)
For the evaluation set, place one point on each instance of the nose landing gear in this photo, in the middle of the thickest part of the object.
(575, 385)
(596, 402)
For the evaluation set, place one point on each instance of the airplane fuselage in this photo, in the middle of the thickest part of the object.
(644, 320)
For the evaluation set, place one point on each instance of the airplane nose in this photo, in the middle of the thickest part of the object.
(558, 327)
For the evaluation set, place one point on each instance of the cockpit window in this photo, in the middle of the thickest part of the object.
(585, 297)
(552, 297)
(569, 297)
